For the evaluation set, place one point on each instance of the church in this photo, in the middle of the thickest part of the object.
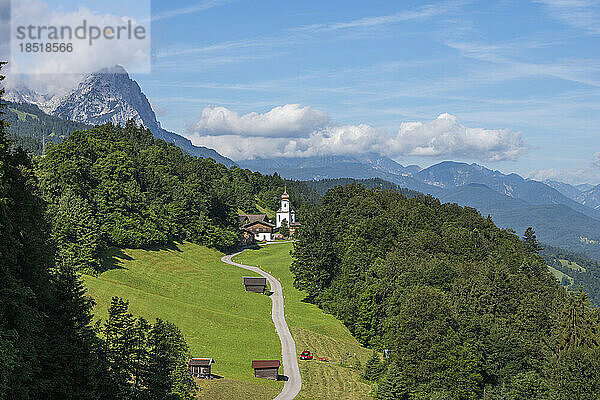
(286, 213)
(257, 227)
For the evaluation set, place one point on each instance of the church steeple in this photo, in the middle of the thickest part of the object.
(285, 211)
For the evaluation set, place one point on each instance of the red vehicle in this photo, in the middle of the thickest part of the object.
(324, 359)
(306, 355)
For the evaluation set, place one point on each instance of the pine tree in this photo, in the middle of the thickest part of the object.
(373, 368)
(284, 229)
(167, 357)
(120, 344)
(530, 240)
(74, 361)
(25, 256)
(391, 388)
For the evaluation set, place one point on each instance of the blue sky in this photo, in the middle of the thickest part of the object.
(517, 83)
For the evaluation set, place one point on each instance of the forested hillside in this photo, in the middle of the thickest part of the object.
(48, 348)
(323, 185)
(118, 186)
(29, 127)
(584, 271)
(465, 309)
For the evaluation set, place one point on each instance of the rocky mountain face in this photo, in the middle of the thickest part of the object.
(590, 198)
(110, 95)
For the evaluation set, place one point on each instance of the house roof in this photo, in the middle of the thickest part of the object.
(200, 362)
(268, 224)
(255, 280)
(259, 364)
(246, 218)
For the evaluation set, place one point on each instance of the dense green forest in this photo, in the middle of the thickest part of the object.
(323, 185)
(584, 271)
(118, 186)
(467, 310)
(29, 127)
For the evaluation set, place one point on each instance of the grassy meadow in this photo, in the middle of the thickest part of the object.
(316, 331)
(188, 285)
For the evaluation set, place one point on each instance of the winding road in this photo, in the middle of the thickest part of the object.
(292, 385)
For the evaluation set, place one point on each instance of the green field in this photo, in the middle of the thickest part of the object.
(316, 331)
(189, 285)
(571, 265)
(560, 275)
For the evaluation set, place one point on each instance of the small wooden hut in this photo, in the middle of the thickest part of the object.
(256, 284)
(200, 367)
(268, 369)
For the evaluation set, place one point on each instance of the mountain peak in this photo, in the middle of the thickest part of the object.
(115, 69)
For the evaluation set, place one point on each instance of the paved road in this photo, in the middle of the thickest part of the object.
(291, 387)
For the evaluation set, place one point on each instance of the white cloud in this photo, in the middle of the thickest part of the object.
(423, 12)
(586, 174)
(581, 14)
(285, 121)
(134, 54)
(198, 7)
(295, 131)
(446, 137)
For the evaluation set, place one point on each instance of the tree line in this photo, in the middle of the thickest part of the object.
(118, 186)
(466, 310)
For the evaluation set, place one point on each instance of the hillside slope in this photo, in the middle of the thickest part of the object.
(188, 285)
(315, 331)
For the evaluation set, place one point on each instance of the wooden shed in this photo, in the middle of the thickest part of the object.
(200, 367)
(256, 284)
(268, 369)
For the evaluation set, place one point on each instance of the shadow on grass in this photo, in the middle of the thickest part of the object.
(171, 246)
(240, 248)
(113, 259)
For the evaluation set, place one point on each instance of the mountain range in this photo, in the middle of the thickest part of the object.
(563, 215)
(560, 213)
(109, 95)
(586, 194)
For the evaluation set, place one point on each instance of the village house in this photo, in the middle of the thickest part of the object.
(257, 225)
(255, 284)
(258, 228)
(200, 367)
(268, 369)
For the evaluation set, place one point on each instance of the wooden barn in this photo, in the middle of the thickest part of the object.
(255, 284)
(200, 367)
(268, 369)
